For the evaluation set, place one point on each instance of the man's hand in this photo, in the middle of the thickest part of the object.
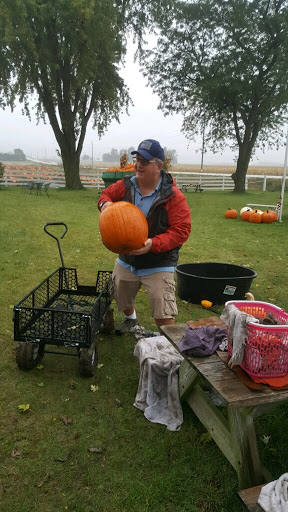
(146, 248)
(105, 206)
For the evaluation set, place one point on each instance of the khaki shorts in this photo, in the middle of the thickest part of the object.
(160, 289)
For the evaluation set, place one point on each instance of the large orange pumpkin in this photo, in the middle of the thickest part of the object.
(123, 227)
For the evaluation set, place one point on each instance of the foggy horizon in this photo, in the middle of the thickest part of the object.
(143, 121)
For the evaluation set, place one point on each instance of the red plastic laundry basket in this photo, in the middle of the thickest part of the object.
(266, 349)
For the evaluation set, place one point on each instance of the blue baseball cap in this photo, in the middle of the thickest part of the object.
(149, 149)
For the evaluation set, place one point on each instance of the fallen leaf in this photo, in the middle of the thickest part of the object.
(15, 453)
(40, 367)
(96, 450)
(71, 384)
(265, 439)
(24, 407)
(40, 384)
(205, 438)
(66, 420)
(94, 388)
(100, 365)
(62, 459)
(45, 479)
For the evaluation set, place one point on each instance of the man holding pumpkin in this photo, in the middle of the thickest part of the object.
(155, 193)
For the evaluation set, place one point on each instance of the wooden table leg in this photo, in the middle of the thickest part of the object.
(244, 446)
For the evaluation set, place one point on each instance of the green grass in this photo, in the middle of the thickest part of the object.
(137, 466)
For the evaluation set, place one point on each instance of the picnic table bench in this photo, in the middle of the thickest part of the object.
(249, 499)
(197, 187)
(232, 428)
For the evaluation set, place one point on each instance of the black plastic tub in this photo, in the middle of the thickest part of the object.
(217, 282)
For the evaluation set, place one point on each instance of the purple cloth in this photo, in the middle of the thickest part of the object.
(202, 341)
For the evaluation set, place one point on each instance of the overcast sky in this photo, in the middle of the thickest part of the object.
(144, 121)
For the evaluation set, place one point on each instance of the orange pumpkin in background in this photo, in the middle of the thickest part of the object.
(256, 217)
(123, 227)
(231, 213)
(245, 215)
(268, 217)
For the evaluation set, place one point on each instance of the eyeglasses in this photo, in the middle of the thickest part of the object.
(143, 161)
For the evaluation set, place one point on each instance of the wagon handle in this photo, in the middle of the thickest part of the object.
(55, 237)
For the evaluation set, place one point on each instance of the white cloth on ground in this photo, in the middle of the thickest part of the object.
(237, 322)
(274, 496)
(158, 389)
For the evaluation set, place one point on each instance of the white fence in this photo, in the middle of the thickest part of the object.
(212, 181)
(185, 180)
(56, 179)
(205, 181)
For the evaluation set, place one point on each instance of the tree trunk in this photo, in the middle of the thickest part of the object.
(239, 177)
(71, 164)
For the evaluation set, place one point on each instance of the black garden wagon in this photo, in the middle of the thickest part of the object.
(63, 313)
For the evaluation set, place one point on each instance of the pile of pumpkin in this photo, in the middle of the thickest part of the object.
(249, 215)
(127, 167)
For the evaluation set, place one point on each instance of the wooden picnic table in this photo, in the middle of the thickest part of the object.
(232, 428)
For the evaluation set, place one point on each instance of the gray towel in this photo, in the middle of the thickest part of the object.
(158, 389)
(237, 322)
(274, 496)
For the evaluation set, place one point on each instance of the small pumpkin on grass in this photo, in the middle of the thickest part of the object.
(123, 227)
(268, 217)
(255, 217)
(245, 215)
(231, 213)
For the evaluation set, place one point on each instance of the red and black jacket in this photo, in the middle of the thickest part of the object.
(169, 221)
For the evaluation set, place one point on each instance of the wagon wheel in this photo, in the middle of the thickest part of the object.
(108, 321)
(88, 358)
(28, 355)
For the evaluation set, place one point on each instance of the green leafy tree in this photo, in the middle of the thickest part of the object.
(113, 156)
(64, 55)
(223, 64)
(2, 169)
(19, 155)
